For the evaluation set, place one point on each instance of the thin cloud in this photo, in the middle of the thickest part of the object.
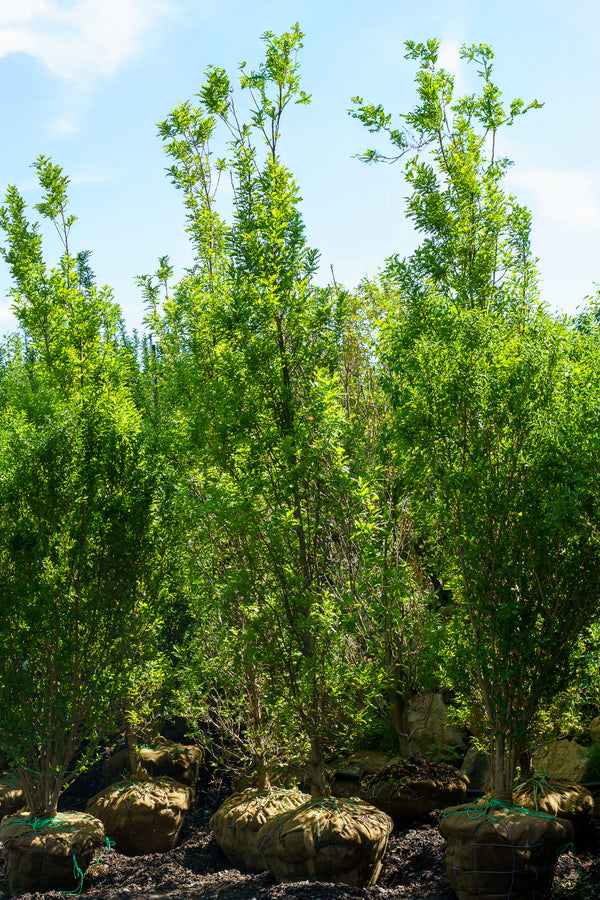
(62, 126)
(450, 60)
(89, 177)
(449, 56)
(79, 41)
(567, 196)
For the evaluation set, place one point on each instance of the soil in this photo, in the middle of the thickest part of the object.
(413, 868)
(414, 769)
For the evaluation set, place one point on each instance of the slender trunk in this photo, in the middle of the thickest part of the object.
(260, 750)
(41, 792)
(319, 786)
(262, 770)
(497, 768)
(502, 769)
(397, 708)
(137, 771)
(525, 767)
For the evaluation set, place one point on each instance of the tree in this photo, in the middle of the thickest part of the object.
(254, 349)
(494, 422)
(79, 507)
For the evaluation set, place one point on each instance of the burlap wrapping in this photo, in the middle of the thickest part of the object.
(50, 854)
(142, 816)
(179, 761)
(237, 822)
(335, 840)
(504, 853)
(12, 798)
(557, 797)
(414, 786)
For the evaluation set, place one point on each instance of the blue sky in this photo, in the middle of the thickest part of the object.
(86, 81)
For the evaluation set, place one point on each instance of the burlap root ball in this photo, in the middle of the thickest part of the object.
(143, 816)
(501, 852)
(334, 840)
(413, 787)
(12, 798)
(179, 761)
(50, 854)
(557, 797)
(237, 822)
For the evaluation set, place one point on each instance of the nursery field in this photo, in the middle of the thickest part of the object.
(197, 868)
(306, 522)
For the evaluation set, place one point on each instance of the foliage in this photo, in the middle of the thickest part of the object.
(78, 495)
(314, 501)
(277, 400)
(495, 422)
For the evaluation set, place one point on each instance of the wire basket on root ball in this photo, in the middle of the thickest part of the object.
(143, 816)
(237, 823)
(496, 850)
(49, 854)
(336, 840)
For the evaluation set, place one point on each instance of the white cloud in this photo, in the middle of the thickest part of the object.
(449, 56)
(77, 41)
(62, 126)
(89, 176)
(568, 196)
(449, 59)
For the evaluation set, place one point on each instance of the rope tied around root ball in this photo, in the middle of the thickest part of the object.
(480, 808)
(337, 805)
(41, 827)
(496, 847)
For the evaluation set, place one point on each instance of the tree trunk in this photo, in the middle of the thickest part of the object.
(525, 767)
(41, 792)
(502, 770)
(319, 786)
(397, 709)
(137, 771)
(260, 751)
(262, 771)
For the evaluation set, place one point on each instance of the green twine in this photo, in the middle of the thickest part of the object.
(479, 809)
(538, 785)
(330, 804)
(102, 853)
(78, 876)
(38, 825)
(139, 787)
(570, 848)
(45, 774)
(10, 778)
(130, 788)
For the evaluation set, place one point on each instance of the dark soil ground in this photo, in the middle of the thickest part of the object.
(197, 868)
